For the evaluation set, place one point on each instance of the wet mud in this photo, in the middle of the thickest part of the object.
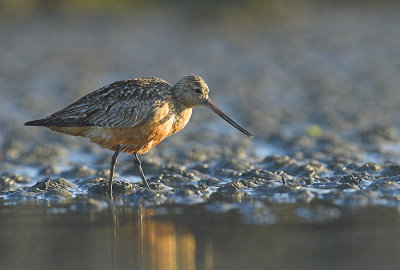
(321, 175)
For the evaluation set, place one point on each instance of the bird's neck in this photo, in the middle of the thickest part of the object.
(180, 103)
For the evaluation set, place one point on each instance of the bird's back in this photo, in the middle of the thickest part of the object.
(120, 104)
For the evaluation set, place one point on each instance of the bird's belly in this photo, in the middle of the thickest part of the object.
(138, 139)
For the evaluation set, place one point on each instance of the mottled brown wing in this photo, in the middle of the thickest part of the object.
(120, 104)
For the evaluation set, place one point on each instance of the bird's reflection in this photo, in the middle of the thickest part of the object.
(155, 244)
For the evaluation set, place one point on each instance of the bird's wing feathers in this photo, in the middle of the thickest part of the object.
(120, 104)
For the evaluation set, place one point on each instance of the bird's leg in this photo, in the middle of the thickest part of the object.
(113, 161)
(139, 167)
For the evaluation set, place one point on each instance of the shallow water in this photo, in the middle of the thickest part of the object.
(177, 237)
(317, 188)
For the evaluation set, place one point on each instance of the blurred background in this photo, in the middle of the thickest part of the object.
(316, 82)
(275, 66)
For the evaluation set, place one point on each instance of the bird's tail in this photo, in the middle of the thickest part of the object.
(40, 122)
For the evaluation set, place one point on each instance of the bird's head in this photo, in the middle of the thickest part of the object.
(191, 91)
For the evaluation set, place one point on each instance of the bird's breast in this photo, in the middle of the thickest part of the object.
(180, 120)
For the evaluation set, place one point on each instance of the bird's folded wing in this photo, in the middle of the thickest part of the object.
(120, 104)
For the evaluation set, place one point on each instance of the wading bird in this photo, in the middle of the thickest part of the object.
(134, 115)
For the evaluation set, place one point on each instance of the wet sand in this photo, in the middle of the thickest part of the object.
(320, 91)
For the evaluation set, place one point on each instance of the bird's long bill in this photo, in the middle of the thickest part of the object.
(208, 103)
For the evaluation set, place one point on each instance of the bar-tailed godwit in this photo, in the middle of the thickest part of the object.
(134, 115)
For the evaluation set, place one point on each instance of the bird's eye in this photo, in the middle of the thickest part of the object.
(198, 90)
